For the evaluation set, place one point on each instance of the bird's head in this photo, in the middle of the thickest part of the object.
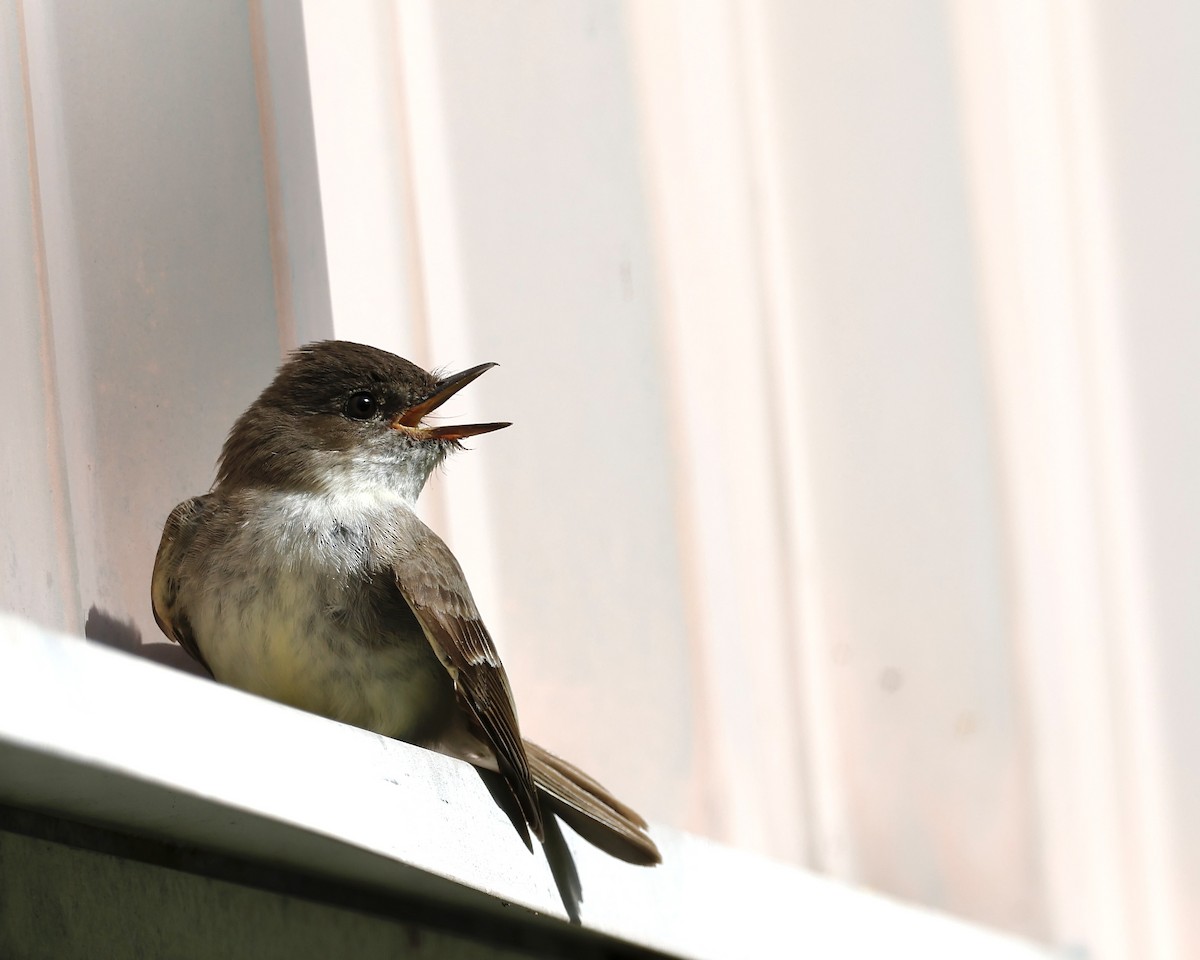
(340, 412)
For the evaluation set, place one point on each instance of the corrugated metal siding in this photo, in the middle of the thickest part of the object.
(849, 512)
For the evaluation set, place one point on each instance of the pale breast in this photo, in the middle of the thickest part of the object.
(294, 603)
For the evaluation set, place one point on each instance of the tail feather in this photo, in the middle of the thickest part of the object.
(592, 812)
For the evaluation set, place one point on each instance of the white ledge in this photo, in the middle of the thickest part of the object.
(92, 734)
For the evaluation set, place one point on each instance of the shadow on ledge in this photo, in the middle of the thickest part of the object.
(102, 627)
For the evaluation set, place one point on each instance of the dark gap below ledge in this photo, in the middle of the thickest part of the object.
(527, 933)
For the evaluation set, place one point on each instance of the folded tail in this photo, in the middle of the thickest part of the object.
(590, 810)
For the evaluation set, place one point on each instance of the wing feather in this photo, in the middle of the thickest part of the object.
(432, 583)
(178, 535)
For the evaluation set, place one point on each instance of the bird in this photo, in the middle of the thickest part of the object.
(305, 576)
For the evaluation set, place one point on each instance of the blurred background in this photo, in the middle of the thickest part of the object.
(850, 515)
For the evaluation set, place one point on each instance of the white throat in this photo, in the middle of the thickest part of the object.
(351, 517)
(373, 475)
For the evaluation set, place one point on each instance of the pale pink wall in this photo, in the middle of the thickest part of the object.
(847, 513)
(155, 322)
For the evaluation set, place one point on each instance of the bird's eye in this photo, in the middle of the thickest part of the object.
(361, 406)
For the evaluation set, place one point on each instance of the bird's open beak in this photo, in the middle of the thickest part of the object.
(410, 420)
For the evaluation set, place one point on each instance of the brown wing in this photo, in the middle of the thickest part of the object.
(178, 534)
(433, 585)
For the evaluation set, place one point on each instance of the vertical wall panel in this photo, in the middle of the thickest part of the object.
(358, 114)
(281, 49)
(724, 432)
(159, 267)
(539, 259)
(1150, 57)
(906, 509)
(37, 561)
(1050, 280)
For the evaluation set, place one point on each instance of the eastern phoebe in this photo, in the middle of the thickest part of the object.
(305, 576)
